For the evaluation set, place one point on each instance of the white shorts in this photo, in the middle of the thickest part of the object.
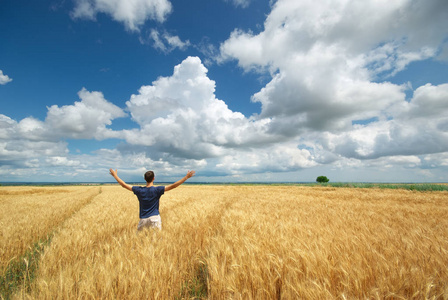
(151, 222)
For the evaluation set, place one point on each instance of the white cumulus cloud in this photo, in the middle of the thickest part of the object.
(30, 146)
(85, 119)
(4, 79)
(180, 117)
(420, 127)
(62, 161)
(327, 59)
(21, 144)
(132, 13)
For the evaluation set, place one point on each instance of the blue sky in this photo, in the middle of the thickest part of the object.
(239, 90)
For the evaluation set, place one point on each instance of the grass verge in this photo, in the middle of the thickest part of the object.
(22, 271)
(421, 187)
(196, 288)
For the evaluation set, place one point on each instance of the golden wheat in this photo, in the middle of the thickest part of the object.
(252, 242)
(30, 214)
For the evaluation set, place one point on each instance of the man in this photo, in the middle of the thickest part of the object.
(149, 197)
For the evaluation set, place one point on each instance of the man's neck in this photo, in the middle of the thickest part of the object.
(150, 184)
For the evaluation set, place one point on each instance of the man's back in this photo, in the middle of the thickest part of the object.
(149, 198)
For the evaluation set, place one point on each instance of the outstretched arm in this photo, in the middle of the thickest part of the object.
(119, 180)
(177, 183)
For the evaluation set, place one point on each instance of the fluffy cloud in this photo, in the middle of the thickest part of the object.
(165, 42)
(4, 79)
(62, 161)
(86, 119)
(419, 127)
(31, 144)
(326, 60)
(323, 65)
(429, 102)
(21, 147)
(181, 118)
(282, 157)
(133, 13)
(181, 115)
(299, 28)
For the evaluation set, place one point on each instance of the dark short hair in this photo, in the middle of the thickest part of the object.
(149, 176)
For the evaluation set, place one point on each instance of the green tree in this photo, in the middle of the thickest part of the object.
(322, 179)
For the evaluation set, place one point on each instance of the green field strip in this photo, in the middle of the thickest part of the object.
(21, 272)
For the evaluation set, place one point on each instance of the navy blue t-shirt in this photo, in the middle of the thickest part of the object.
(149, 198)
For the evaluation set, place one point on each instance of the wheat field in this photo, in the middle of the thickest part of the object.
(30, 214)
(231, 242)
